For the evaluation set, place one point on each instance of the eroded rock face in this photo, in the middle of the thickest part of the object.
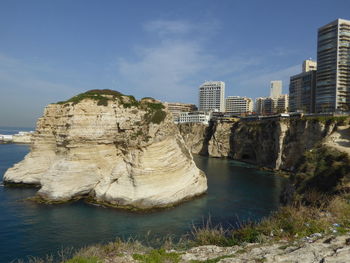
(115, 150)
(277, 144)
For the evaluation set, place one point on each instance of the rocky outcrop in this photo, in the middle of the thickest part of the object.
(314, 249)
(219, 143)
(276, 143)
(196, 136)
(112, 148)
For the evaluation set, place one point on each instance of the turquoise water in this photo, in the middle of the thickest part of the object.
(235, 191)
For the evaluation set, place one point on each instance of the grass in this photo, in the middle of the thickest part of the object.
(288, 223)
(158, 256)
(84, 260)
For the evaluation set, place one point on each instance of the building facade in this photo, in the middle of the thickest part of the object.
(176, 108)
(281, 104)
(269, 106)
(309, 65)
(275, 88)
(333, 67)
(193, 117)
(302, 89)
(212, 96)
(238, 105)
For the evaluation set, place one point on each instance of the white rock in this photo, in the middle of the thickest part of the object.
(112, 153)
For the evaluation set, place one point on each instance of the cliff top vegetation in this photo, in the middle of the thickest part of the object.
(154, 108)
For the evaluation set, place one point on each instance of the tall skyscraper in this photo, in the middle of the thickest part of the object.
(302, 89)
(275, 88)
(333, 67)
(212, 96)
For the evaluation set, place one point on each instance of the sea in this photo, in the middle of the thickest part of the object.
(237, 192)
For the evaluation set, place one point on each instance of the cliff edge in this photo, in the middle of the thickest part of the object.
(111, 148)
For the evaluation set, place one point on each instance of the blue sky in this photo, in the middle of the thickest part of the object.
(52, 50)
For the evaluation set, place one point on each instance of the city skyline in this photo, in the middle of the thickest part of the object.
(52, 51)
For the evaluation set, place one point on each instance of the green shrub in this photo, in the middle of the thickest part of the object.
(322, 169)
(155, 113)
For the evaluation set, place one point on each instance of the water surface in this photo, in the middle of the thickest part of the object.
(236, 190)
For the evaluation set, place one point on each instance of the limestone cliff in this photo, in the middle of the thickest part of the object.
(277, 143)
(112, 148)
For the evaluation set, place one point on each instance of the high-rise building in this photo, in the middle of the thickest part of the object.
(309, 65)
(333, 67)
(275, 88)
(302, 89)
(212, 96)
(238, 105)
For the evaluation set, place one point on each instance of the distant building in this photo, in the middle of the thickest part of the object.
(176, 108)
(333, 67)
(302, 89)
(259, 105)
(268, 105)
(193, 117)
(212, 96)
(238, 105)
(309, 65)
(275, 88)
(281, 104)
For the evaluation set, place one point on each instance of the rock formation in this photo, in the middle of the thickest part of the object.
(277, 143)
(112, 148)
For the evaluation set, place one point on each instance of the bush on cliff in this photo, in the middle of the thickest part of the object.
(324, 170)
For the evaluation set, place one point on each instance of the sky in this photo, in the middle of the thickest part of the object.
(51, 50)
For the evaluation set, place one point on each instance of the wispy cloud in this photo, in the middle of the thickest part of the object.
(174, 67)
(165, 27)
(27, 87)
(258, 81)
(27, 76)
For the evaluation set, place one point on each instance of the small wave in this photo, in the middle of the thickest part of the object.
(1, 184)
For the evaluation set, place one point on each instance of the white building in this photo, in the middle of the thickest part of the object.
(275, 88)
(212, 96)
(193, 117)
(6, 138)
(238, 105)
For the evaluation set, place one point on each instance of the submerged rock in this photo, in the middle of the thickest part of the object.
(112, 148)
